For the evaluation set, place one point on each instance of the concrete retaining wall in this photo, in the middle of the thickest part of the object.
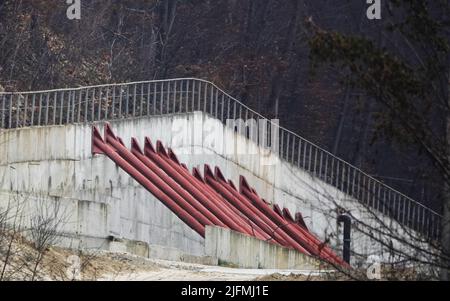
(243, 251)
(104, 201)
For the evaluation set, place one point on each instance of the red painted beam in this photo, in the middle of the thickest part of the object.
(175, 185)
(174, 170)
(251, 212)
(101, 147)
(195, 209)
(303, 237)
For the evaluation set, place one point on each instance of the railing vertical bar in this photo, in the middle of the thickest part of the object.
(315, 161)
(133, 110)
(80, 97)
(293, 151)
(33, 108)
(86, 106)
(17, 112)
(149, 95)
(174, 97)
(61, 107)
(69, 106)
(155, 95)
(168, 97)
(10, 110)
(107, 103)
(127, 102)
(305, 145)
(205, 97)
(199, 96)
(3, 110)
(299, 152)
(320, 165)
(93, 105)
(217, 104)
(113, 109)
(223, 108)
(188, 90)
(211, 100)
(40, 109)
(25, 111)
(354, 183)
(287, 146)
(141, 109)
(193, 95)
(161, 104)
(240, 111)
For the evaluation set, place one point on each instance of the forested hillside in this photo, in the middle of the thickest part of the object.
(257, 50)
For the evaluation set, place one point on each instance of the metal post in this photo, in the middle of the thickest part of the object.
(113, 102)
(40, 109)
(33, 108)
(80, 97)
(3, 97)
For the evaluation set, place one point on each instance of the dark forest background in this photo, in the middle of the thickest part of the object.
(257, 50)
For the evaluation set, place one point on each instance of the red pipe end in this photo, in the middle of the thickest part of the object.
(243, 184)
(232, 185)
(161, 149)
(96, 134)
(173, 156)
(196, 173)
(148, 147)
(121, 141)
(108, 132)
(219, 175)
(135, 146)
(208, 172)
(287, 215)
(300, 221)
(278, 210)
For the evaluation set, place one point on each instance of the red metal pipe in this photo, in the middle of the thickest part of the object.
(196, 209)
(100, 147)
(254, 228)
(206, 211)
(300, 220)
(251, 212)
(176, 172)
(305, 238)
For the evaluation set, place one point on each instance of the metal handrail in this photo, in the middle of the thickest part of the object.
(182, 95)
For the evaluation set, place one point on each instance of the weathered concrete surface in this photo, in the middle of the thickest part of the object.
(243, 251)
(104, 201)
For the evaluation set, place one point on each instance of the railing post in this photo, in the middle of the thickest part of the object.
(161, 104)
(69, 106)
(127, 102)
(18, 101)
(2, 99)
(25, 115)
(174, 97)
(33, 108)
(80, 97)
(134, 100)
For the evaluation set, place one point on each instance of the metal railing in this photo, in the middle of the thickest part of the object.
(158, 97)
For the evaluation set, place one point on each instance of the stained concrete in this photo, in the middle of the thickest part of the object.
(242, 251)
(103, 201)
